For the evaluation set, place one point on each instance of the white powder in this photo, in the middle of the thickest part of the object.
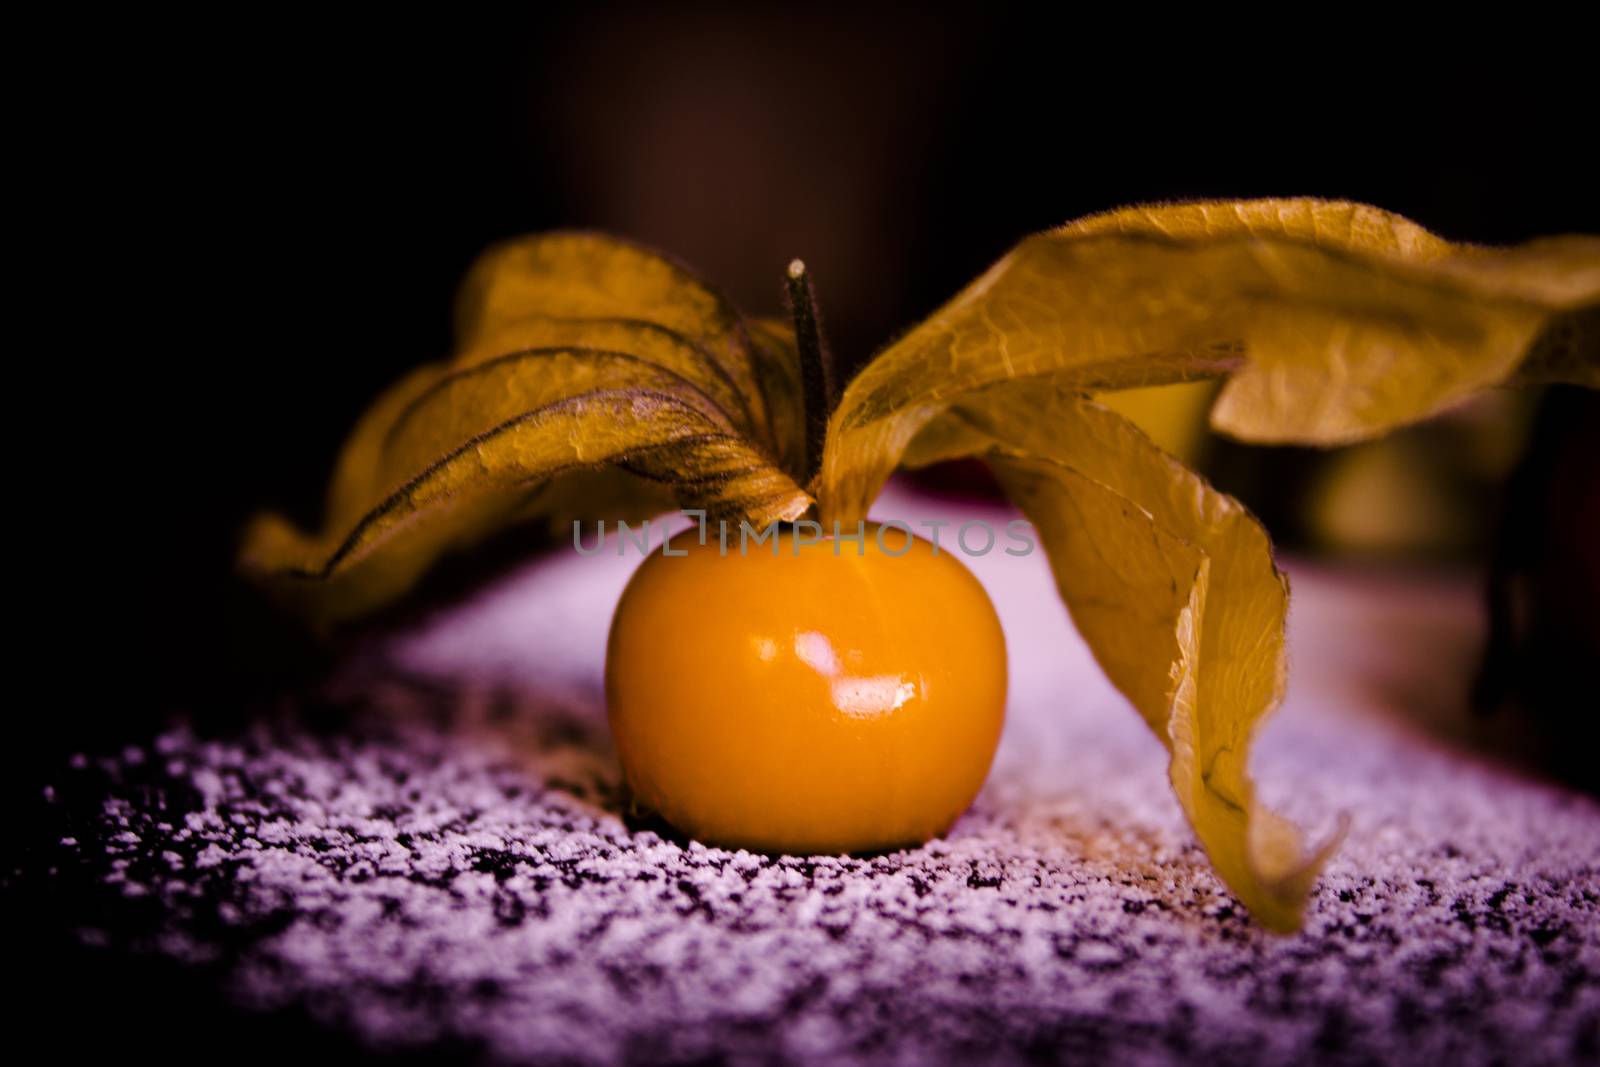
(454, 867)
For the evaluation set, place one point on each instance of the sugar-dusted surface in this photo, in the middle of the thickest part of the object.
(457, 869)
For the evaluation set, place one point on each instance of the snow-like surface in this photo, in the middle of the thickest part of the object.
(464, 872)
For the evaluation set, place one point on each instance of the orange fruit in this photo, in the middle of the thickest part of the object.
(806, 696)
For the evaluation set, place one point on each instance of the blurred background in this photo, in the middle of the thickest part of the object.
(281, 216)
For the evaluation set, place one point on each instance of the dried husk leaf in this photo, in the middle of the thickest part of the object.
(777, 370)
(588, 276)
(577, 353)
(1333, 322)
(1172, 585)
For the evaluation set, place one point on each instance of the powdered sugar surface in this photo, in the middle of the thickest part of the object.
(455, 866)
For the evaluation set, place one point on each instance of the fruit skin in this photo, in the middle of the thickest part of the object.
(806, 703)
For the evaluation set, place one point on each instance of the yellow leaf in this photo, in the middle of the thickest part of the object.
(586, 276)
(1335, 322)
(1172, 585)
(577, 353)
(519, 345)
(1173, 415)
(777, 368)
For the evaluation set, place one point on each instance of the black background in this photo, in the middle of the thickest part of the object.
(247, 229)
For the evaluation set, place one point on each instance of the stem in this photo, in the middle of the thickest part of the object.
(818, 382)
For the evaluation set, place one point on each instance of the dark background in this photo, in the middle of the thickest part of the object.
(250, 228)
